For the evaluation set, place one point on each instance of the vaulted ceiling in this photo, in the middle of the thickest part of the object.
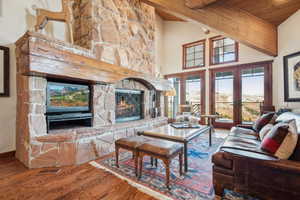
(273, 11)
(251, 22)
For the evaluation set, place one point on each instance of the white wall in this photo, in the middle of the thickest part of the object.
(289, 42)
(159, 38)
(17, 17)
(178, 33)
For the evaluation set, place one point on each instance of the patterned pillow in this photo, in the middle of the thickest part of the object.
(262, 121)
(264, 131)
(281, 140)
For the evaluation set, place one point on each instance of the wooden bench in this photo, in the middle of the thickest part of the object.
(163, 150)
(130, 144)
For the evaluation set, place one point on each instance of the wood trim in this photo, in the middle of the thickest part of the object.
(9, 154)
(198, 4)
(185, 46)
(231, 21)
(56, 59)
(211, 51)
(6, 81)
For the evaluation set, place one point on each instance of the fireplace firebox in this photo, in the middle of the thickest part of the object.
(129, 105)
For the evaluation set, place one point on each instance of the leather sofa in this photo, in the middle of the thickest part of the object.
(241, 165)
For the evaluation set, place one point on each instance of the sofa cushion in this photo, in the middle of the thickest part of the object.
(281, 140)
(243, 144)
(262, 121)
(243, 133)
(264, 131)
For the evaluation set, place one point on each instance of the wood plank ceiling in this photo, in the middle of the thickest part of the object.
(273, 11)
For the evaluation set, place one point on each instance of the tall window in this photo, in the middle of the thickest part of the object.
(252, 93)
(173, 102)
(223, 50)
(224, 96)
(194, 55)
(193, 93)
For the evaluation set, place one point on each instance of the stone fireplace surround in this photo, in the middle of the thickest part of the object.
(39, 57)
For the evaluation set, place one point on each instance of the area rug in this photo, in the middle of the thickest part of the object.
(231, 195)
(196, 184)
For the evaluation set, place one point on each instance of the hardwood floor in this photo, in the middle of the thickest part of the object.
(78, 182)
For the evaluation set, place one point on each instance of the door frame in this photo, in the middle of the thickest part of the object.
(237, 92)
(182, 76)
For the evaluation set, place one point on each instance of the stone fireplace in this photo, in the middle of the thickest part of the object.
(116, 52)
(40, 58)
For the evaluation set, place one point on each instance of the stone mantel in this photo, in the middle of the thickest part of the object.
(48, 57)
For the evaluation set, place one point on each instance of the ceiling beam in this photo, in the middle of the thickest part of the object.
(231, 22)
(198, 3)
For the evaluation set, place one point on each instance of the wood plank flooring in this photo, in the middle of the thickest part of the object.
(76, 183)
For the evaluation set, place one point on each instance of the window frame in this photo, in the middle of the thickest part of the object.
(184, 48)
(211, 54)
(182, 98)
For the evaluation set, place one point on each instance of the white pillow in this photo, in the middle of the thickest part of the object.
(264, 131)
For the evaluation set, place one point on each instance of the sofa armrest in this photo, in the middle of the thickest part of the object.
(247, 126)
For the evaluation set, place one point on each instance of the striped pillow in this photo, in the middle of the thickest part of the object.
(281, 140)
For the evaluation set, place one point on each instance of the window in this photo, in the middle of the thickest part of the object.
(193, 93)
(223, 50)
(253, 93)
(224, 82)
(173, 102)
(190, 89)
(238, 93)
(194, 55)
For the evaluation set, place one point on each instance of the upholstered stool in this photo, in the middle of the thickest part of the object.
(130, 144)
(163, 150)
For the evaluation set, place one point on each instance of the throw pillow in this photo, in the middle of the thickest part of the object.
(281, 140)
(265, 130)
(262, 121)
(273, 120)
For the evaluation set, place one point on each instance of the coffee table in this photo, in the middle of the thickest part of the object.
(181, 135)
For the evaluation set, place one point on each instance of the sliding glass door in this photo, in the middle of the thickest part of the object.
(238, 93)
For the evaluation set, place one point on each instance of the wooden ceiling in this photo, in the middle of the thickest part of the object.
(272, 11)
(167, 17)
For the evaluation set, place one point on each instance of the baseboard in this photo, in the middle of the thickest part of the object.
(8, 154)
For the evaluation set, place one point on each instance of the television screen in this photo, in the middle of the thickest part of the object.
(64, 97)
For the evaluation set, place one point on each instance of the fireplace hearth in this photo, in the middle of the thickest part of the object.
(129, 105)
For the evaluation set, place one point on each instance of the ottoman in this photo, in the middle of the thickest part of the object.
(130, 144)
(163, 150)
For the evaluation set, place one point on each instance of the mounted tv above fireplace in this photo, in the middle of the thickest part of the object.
(65, 97)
